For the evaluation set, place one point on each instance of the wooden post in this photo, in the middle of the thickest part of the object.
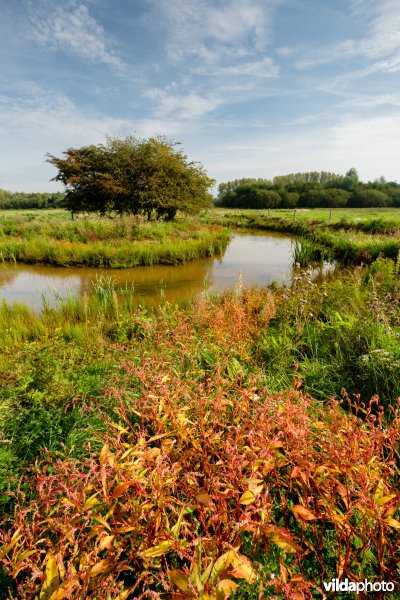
(330, 215)
(294, 214)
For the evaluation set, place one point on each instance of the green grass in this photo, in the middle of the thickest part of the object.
(51, 237)
(321, 215)
(350, 236)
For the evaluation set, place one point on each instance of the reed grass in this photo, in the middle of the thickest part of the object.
(116, 254)
(349, 241)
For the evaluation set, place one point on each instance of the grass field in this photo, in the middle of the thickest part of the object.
(322, 215)
(198, 451)
(51, 237)
(348, 235)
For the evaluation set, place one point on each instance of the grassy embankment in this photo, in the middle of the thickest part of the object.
(183, 453)
(348, 235)
(51, 237)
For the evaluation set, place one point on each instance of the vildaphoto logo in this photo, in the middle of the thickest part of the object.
(358, 586)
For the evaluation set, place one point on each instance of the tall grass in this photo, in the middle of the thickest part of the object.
(347, 241)
(95, 242)
(304, 253)
(114, 255)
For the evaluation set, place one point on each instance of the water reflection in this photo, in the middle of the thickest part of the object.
(258, 257)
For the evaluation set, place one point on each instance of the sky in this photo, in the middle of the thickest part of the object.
(251, 88)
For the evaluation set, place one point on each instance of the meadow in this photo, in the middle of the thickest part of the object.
(351, 236)
(244, 446)
(52, 237)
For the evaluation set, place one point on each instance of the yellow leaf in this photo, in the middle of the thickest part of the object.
(104, 454)
(203, 498)
(121, 488)
(119, 427)
(52, 580)
(303, 513)
(247, 498)
(225, 588)
(106, 542)
(126, 529)
(102, 521)
(222, 563)
(282, 538)
(24, 555)
(392, 522)
(180, 579)
(101, 567)
(14, 541)
(379, 492)
(244, 569)
(123, 595)
(381, 500)
(159, 550)
(256, 489)
(90, 502)
(60, 594)
(165, 379)
(177, 527)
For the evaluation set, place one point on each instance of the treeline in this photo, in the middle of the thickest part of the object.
(309, 190)
(23, 200)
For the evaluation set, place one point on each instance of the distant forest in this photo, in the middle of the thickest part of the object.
(309, 190)
(22, 200)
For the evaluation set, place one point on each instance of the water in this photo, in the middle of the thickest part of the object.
(256, 258)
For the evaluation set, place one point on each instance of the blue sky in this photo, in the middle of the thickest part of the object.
(252, 88)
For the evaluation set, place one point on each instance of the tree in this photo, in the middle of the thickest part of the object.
(325, 198)
(251, 195)
(132, 176)
(369, 198)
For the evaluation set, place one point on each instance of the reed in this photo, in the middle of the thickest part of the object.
(117, 254)
(349, 242)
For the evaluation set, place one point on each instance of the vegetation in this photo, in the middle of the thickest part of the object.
(132, 176)
(199, 451)
(342, 234)
(51, 238)
(309, 190)
(23, 200)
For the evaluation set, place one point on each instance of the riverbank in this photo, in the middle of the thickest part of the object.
(221, 412)
(351, 236)
(52, 238)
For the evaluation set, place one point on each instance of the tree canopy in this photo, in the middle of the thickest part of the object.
(132, 176)
(309, 190)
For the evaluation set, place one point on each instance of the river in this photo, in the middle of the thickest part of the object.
(255, 258)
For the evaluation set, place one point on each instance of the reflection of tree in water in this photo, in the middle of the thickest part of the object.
(7, 275)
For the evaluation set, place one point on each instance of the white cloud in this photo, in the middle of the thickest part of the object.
(260, 69)
(184, 106)
(71, 27)
(212, 32)
(381, 42)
